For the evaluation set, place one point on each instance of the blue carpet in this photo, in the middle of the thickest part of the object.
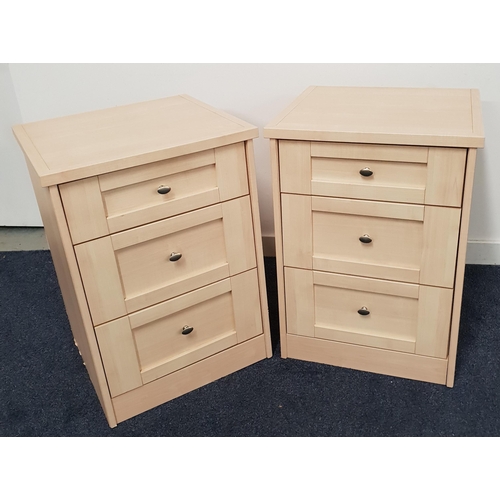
(45, 389)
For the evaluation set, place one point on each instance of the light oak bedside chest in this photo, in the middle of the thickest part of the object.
(151, 215)
(372, 191)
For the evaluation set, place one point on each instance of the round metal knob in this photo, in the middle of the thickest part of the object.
(164, 190)
(365, 238)
(363, 311)
(174, 256)
(186, 330)
(366, 172)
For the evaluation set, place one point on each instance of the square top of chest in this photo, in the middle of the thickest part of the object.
(96, 142)
(423, 116)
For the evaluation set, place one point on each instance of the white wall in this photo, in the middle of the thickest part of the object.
(253, 92)
(17, 201)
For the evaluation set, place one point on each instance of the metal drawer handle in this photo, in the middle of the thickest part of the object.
(366, 172)
(363, 311)
(174, 256)
(164, 190)
(365, 238)
(186, 330)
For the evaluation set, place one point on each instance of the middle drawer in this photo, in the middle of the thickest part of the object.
(400, 242)
(128, 271)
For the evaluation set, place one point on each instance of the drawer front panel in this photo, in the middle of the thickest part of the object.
(162, 347)
(149, 265)
(390, 321)
(393, 241)
(129, 198)
(135, 204)
(375, 313)
(169, 336)
(164, 259)
(395, 247)
(369, 180)
(432, 176)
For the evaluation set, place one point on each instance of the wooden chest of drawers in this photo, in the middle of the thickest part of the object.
(151, 215)
(372, 190)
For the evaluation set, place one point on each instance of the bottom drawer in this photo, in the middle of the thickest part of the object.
(369, 312)
(151, 343)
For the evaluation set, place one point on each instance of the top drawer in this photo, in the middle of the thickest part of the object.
(98, 206)
(407, 174)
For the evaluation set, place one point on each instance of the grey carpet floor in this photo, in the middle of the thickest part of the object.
(45, 390)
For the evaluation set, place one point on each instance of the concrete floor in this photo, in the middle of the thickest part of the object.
(22, 238)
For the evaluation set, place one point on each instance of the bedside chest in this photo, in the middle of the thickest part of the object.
(151, 215)
(372, 190)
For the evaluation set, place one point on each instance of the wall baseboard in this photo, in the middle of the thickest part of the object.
(478, 252)
(268, 246)
(483, 252)
(32, 238)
